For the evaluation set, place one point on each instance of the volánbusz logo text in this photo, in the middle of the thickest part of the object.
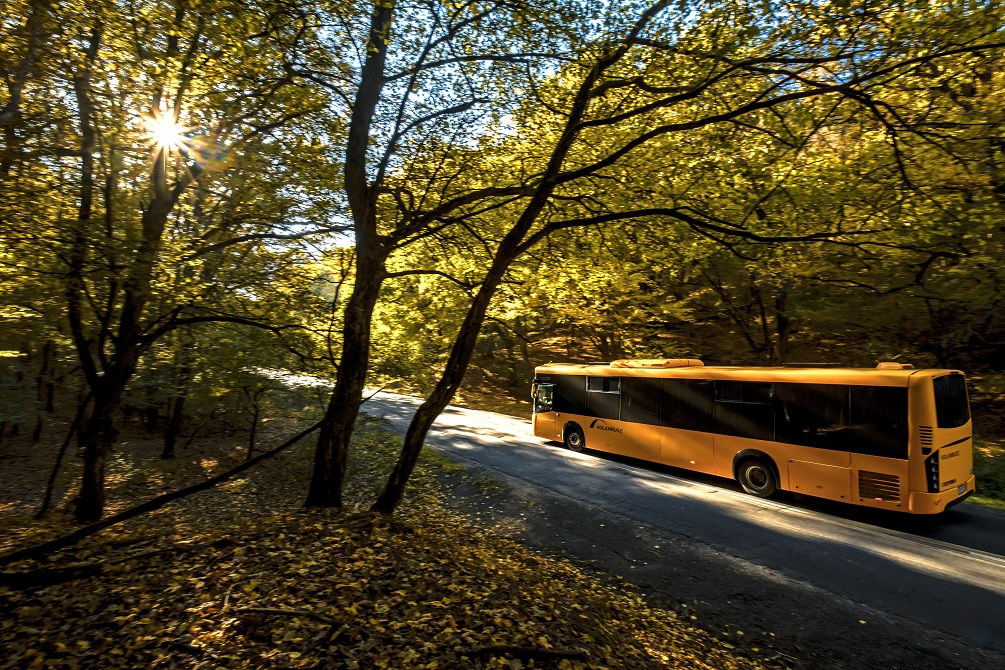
(600, 424)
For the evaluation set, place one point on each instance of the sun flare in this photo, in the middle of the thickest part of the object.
(163, 131)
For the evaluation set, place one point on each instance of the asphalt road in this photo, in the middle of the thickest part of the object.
(946, 574)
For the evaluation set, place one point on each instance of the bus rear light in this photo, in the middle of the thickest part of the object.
(932, 472)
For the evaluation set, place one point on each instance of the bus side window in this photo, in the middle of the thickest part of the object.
(640, 400)
(812, 415)
(878, 421)
(570, 394)
(744, 409)
(687, 404)
(603, 397)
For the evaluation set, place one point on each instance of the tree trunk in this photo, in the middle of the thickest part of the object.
(174, 424)
(782, 324)
(44, 370)
(512, 244)
(36, 32)
(337, 425)
(253, 434)
(371, 253)
(446, 386)
(96, 439)
(75, 425)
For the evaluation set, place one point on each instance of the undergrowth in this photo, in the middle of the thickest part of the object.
(989, 469)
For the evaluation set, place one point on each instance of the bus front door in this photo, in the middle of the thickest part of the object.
(544, 416)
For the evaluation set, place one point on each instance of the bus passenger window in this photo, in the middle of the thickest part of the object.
(640, 400)
(687, 404)
(603, 397)
(812, 415)
(570, 394)
(878, 421)
(744, 409)
(604, 384)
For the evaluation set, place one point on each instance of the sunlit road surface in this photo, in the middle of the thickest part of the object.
(947, 573)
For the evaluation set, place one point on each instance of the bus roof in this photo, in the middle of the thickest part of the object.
(816, 375)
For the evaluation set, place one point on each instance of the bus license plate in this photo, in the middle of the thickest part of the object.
(961, 489)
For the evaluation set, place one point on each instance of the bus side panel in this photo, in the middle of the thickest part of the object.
(638, 440)
(687, 449)
(817, 479)
(823, 473)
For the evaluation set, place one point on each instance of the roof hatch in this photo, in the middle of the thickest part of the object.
(893, 365)
(657, 363)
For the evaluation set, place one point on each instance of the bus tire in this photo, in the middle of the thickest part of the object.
(574, 438)
(757, 478)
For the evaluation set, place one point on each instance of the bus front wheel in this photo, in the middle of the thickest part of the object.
(757, 478)
(574, 438)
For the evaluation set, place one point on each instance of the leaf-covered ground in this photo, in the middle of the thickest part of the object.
(240, 577)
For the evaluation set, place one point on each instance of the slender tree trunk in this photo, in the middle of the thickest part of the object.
(47, 350)
(253, 433)
(174, 424)
(755, 291)
(464, 344)
(511, 246)
(782, 323)
(256, 410)
(446, 386)
(50, 396)
(74, 427)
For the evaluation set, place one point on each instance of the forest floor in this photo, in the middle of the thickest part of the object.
(241, 576)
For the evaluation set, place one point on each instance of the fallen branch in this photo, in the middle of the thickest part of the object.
(283, 612)
(52, 546)
(530, 652)
(19, 581)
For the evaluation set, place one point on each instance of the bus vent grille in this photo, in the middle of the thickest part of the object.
(877, 485)
(925, 433)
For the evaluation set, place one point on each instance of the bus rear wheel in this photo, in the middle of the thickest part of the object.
(757, 478)
(574, 438)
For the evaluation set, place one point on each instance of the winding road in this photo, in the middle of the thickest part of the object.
(946, 575)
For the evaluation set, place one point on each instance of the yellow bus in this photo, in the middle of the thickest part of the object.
(890, 437)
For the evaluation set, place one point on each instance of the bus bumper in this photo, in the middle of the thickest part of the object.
(934, 503)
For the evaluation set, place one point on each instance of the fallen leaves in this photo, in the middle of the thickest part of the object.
(329, 590)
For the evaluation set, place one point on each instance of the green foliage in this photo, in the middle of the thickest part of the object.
(989, 468)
